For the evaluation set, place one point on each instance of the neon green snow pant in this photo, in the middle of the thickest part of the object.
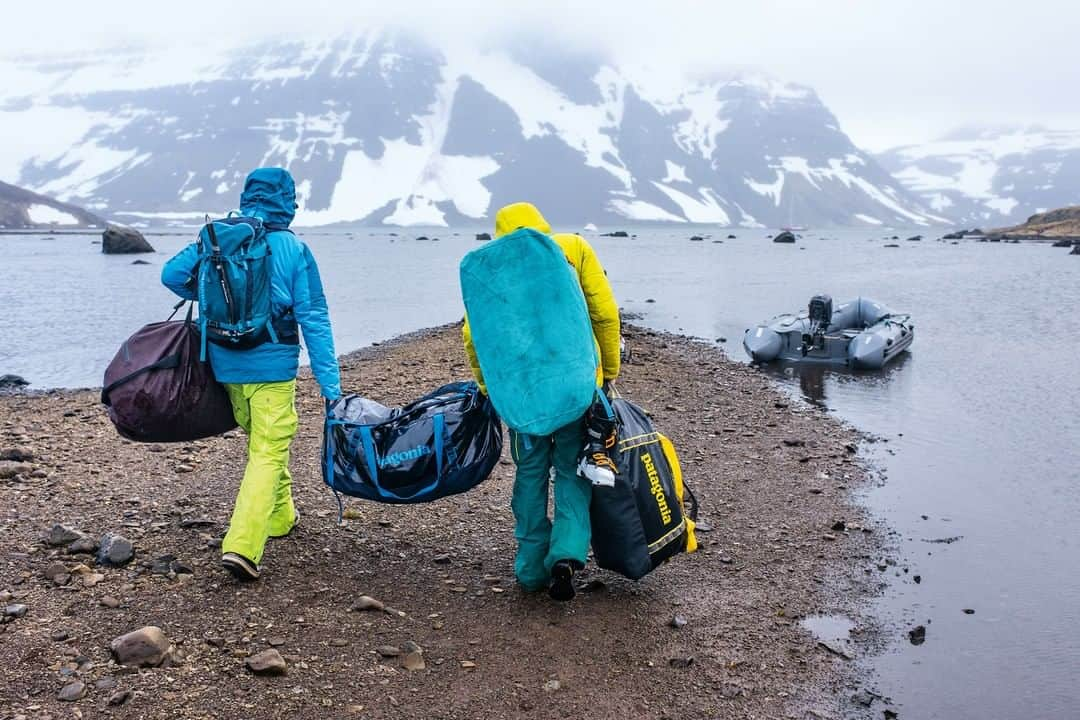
(543, 542)
(264, 505)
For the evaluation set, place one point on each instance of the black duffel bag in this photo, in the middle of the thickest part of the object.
(446, 442)
(157, 390)
(643, 520)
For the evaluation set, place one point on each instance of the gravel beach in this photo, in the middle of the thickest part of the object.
(412, 612)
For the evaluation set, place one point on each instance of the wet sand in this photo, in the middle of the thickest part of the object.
(773, 478)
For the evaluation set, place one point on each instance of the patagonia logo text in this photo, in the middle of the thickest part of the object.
(396, 459)
(656, 488)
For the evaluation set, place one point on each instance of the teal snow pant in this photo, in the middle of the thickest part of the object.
(543, 542)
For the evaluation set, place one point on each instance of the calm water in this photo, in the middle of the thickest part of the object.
(982, 416)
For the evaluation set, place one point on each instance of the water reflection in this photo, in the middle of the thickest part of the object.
(813, 378)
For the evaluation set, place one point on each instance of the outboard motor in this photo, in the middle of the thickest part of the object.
(820, 316)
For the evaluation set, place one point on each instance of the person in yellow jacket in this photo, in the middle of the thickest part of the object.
(551, 551)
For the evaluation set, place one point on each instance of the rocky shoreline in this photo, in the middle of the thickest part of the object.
(412, 611)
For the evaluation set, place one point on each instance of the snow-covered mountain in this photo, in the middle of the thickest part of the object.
(382, 128)
(992, 177)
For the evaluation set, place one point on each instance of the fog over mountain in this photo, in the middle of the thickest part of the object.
(385, 128)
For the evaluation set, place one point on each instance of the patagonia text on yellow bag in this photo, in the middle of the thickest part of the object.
(681, 492)
(642, 521)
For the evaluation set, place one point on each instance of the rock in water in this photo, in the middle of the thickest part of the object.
(915, 238)
(145, 647)
(1075, 250)
(617, 233)
(918, 635)
(784, 237)
(268, 662)
(115, 551)
(12, 382)
(483, 236)
(121, 240)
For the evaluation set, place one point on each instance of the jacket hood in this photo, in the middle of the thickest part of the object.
(520, 215)
(269, 194)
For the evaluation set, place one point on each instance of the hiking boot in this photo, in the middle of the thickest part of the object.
(596, 464)
(598, 469)
(562, 581)
(601, 436)
(241, 568)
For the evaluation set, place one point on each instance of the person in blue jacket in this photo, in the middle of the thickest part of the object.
(261, 381)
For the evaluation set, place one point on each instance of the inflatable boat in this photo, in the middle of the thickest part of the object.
(860, 333)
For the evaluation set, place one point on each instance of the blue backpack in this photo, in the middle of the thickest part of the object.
(234, 284)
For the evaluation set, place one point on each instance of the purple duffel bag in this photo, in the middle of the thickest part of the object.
(157, 390)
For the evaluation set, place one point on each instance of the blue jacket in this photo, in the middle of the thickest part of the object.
(270, 194)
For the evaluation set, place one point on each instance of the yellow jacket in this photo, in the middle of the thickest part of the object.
(603, 310)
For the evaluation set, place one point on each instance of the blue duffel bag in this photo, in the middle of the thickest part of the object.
(445, 443)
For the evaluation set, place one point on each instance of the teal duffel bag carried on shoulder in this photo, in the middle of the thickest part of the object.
(531, 330)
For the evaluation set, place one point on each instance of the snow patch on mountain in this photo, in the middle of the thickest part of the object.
(380, 128)
(675, 173)
(992, 175)
(644, 211)
(45, 215)
(702, 209)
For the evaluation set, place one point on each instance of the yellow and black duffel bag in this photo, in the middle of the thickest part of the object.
(642, 521)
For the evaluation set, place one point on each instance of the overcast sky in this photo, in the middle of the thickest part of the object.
(893, 71)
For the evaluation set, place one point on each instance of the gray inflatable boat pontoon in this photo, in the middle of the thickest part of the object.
(861, 334)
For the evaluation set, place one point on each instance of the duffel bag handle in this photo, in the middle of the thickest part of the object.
(371, 457)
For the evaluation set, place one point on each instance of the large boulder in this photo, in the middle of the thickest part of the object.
(115, 551)
(145, 647)
(121, 240)
(784, 237)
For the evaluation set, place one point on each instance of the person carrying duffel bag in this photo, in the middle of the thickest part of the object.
(157, 389)
(446, 442)
(542, 335)
(643, 519)
(257, 286)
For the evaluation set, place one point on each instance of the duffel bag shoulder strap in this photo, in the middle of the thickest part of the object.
(371, 457)
(166, 363)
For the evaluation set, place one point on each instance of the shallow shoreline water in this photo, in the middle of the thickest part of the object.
(774, 478)
(976, 424)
